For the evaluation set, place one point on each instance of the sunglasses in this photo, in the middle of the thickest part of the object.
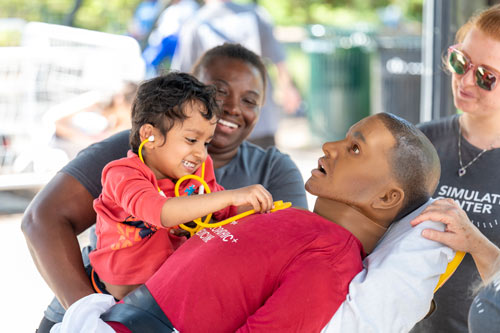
(460, 64)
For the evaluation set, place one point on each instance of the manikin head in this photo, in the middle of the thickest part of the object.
(383, 169)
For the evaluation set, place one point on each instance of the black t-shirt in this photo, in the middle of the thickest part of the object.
(478, 193)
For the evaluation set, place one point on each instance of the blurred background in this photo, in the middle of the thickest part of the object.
(69, 69)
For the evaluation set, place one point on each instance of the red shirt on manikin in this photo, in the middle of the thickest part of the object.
(280, 272)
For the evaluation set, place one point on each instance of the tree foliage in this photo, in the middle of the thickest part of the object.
(110, 15)
(335, 12)
(114, 15)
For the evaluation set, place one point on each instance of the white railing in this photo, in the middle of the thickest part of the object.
(54, 65)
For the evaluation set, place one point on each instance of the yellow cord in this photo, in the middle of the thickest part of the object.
(139, 151)
(450, 269)
(278, 205)
(194, 230)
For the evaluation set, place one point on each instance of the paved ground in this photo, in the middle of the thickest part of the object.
(25, 294)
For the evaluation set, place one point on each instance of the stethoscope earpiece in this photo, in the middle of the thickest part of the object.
(139, 152)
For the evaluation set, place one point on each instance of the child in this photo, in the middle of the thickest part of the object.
(176, 115)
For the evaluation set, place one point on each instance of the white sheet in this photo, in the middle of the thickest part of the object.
(395, 289)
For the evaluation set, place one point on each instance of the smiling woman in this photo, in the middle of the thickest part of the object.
(240, 79)
(240, 93)
(64, 207)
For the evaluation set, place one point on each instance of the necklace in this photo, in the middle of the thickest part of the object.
(462, 169)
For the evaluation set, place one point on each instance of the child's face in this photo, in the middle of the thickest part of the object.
(185, 146)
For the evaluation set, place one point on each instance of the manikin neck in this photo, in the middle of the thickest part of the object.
(365, 229)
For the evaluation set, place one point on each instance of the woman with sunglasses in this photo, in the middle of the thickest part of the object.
(468, 146)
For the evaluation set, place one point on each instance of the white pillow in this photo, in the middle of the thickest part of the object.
(394, 290)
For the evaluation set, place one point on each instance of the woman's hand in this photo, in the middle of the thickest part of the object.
(459, 234)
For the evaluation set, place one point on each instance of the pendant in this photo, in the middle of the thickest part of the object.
(461, 172)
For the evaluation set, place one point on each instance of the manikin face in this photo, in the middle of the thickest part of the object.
(467, 96)
(185, 146)
(356, 169)
(240, 93)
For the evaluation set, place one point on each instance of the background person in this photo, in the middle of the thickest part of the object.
(467, 145)
(220, 21)
(97, 120)
(256, 281)
(143, 19)
(64, 206)
(162, 41)
(484, 313)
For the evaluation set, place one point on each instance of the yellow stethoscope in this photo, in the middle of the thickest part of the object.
(278, 205)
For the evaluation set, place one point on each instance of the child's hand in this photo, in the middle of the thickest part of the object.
(255, 196)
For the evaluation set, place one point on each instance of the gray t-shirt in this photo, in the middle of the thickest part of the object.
(478, 193)
(246, 24)
(484, 314)
(216, 23)
(269, 167)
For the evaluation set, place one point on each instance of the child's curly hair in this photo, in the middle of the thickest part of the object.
(160, 102)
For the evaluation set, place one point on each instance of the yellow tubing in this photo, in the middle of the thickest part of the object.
(207, 189)
(140, 150)
(277, 206)
(450, 269)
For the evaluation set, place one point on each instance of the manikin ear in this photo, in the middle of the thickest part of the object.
(389, 199)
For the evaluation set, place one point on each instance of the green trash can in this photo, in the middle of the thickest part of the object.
(339, 87)
(400, 75)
